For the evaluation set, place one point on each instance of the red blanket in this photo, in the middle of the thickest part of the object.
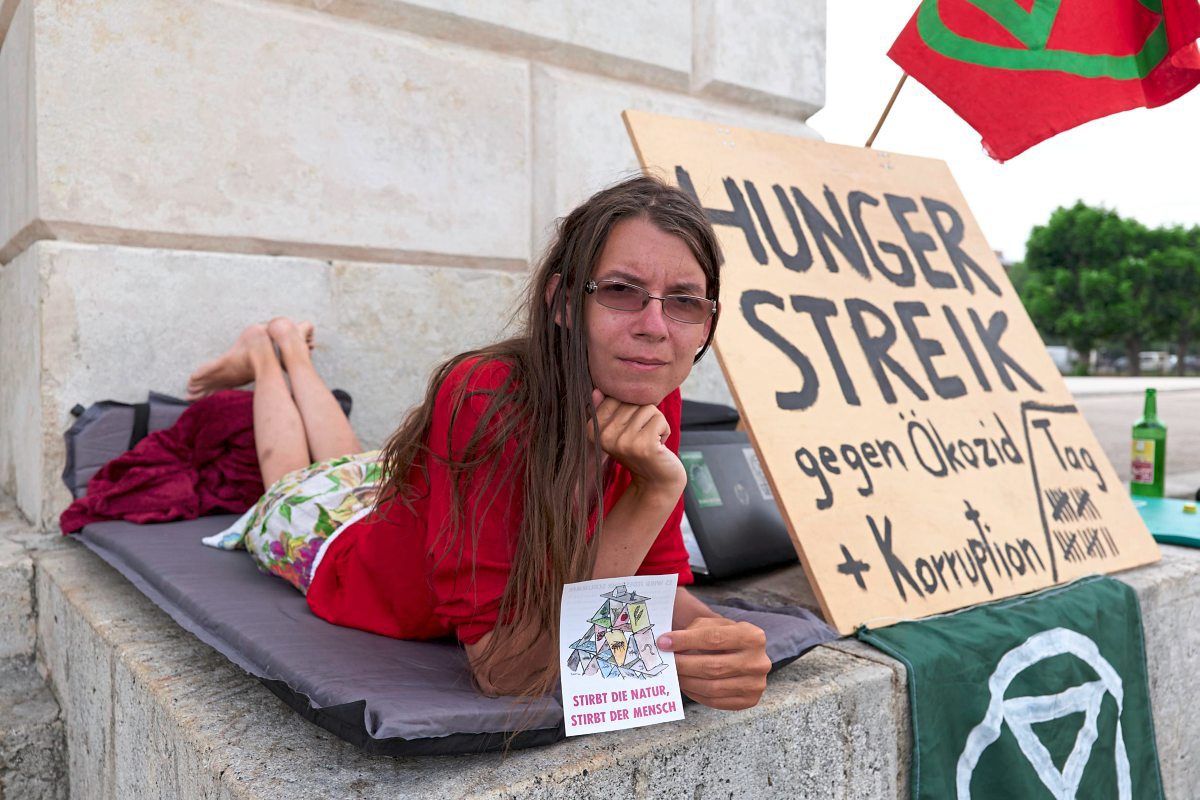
(203, 464)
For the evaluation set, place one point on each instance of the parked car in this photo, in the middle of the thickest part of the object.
(1062, 356)
(1154, 360)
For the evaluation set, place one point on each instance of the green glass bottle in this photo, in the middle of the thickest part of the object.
(1149, 474)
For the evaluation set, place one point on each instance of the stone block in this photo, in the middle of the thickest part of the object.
(89, 714)
(18, 182)
(396, 323)
(832, 724)
(89, 636)
(639, 42)
(826, 726)
(32, 745)
(1170, 601)
(20, 383)
(580, 142)
(17, 629)
(770, 54)
(256, 127)
(380, 330)
(50, 619)
(147, 324)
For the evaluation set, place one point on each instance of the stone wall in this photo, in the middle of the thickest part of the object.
(151, 712)
(173, 169)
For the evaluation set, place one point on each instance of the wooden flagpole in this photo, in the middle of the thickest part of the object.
(886, 109)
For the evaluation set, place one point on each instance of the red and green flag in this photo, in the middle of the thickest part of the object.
(1020, 71)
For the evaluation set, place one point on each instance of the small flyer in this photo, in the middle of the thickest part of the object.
(613, 674)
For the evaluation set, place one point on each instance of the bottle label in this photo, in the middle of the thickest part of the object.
(1143, 461)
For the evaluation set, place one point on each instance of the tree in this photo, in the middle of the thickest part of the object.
(1018, 274)
(1121, 299)
(1175, 263)
(1077, 285)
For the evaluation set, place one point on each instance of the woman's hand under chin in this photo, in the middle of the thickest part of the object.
(635, 436)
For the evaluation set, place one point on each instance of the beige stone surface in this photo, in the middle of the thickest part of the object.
(770, 53)
(8, 9)
(580, 143)
(257, 120)
(395, 323)
(16, 590)
(150, 708)
(32, 739)
(1169, 595)
(17, 129)
(384, 167)
(20, 391)
(118, 322)
(826, 726)
(155, 315)
(640, 42)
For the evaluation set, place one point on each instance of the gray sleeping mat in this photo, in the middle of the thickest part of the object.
(388, 696)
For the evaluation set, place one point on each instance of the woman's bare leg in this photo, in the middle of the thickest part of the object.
(278, 431)
(326, 428)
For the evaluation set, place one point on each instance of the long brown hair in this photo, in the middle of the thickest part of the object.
(546, 400)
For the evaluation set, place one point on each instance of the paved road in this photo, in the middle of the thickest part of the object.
(1111, 409)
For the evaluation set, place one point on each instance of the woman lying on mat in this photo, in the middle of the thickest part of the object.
(544, 459)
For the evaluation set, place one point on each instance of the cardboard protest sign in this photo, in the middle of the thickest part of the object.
(613, 674)
(923, 448)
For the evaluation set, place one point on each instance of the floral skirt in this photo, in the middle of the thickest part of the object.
(289, 528)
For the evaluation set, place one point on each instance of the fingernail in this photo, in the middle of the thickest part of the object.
(664, 642)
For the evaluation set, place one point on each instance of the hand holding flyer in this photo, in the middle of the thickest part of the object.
(613, 674)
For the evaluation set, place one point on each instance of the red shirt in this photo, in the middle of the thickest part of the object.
(392, 573)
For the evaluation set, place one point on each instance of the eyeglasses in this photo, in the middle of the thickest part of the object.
(621, 296)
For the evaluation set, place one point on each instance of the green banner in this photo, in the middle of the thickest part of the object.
(1041, 696)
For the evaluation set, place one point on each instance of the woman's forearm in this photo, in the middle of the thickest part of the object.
(688, 608)
(631, 528)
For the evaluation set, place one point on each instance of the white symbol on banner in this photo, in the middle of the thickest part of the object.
(1022, 713)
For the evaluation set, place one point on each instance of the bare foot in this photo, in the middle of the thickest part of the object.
(232, 368)
(309, 332)
(292, 338)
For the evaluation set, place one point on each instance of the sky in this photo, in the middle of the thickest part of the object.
(1144, 163)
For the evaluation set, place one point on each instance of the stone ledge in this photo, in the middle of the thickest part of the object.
(152, 712)
(745, 58)
(1169, 593)
(150, 707)
(32, 746)
(17, 630)
(653, 47)
(32, 740)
